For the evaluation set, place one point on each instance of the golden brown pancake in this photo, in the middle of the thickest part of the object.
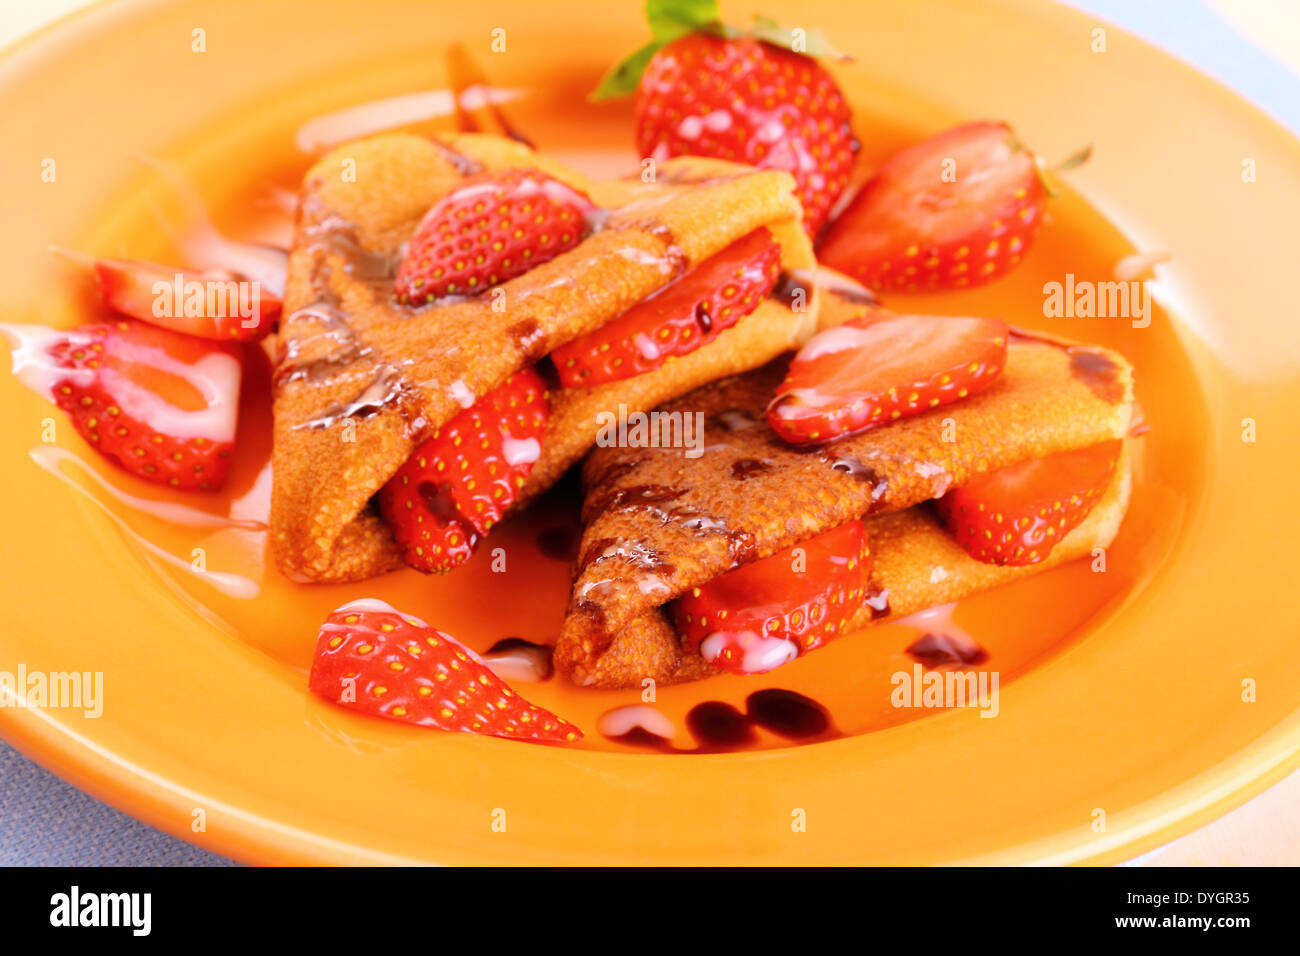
(362, 380)
(657, 523)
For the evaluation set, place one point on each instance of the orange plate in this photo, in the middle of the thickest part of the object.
(1127, 694)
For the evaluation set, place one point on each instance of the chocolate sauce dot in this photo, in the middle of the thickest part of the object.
(638, 736)
(743, 468)
(939, 650)
(717, 724)
(786, 713)
(514, 644)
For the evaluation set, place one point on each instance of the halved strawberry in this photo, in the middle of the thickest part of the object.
(382, 662)
(160, 404)
(491, 228)
(1016, 515)
(677, 319)
(460, 480)
(215, 304)
(766, 613)
(851, 377)
(953, 211)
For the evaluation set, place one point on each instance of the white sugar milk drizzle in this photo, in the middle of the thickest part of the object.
(232, 585)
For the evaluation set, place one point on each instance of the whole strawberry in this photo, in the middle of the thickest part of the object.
(749, 97)
(491, 228)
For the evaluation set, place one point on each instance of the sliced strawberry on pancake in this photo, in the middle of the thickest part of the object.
(766, 613)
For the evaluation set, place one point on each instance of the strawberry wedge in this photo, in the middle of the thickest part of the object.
(214, 304)
(678, 319)
(460, 481)
(766, 613)
(872, 370)
(1016, 515)
(381, 662)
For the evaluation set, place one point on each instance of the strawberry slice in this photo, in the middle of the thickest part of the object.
(215, 304)
(1016, 515)
(382, 662)
(951, 212)
(766, 613)
(460, 481)
(491, 228)
(160, 404)
(854, 376)
(678, 319)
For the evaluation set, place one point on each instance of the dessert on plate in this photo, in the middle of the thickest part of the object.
(459, 318)
(763, 550)
(446, 271)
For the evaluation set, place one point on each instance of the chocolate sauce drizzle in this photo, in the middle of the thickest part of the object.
(941, 650)
(719, 726)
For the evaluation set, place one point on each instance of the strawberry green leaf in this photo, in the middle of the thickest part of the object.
(670, 19)
(623, 78)
(1077, 158)
(798, 40)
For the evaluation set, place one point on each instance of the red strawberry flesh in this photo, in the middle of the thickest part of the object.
(766, 613)
(951, 212)
(208, 305)
(874, 370)
(460, 480)
(684, 315)
(1017, 515)
(491, 228)
(381, 662)
(159, 404)
(750, 102)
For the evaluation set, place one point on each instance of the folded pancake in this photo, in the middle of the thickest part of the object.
(361, 380)
(657, 523)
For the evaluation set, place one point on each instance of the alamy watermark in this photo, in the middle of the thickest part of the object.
(53, 690)
(625, 429)
(943, 689)
(208, 298)
(1085, 299)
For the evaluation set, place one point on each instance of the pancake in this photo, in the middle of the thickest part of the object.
(361, 380)
(657, 524)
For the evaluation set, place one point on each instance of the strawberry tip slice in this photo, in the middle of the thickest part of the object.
(381, 662)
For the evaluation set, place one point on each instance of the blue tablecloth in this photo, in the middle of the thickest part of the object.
(43, 821)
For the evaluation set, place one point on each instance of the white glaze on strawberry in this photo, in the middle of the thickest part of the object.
(520, 451)
(215, 377)
(757, 653)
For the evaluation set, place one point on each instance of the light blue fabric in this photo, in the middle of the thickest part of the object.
(43, 821)
(1194, 33)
